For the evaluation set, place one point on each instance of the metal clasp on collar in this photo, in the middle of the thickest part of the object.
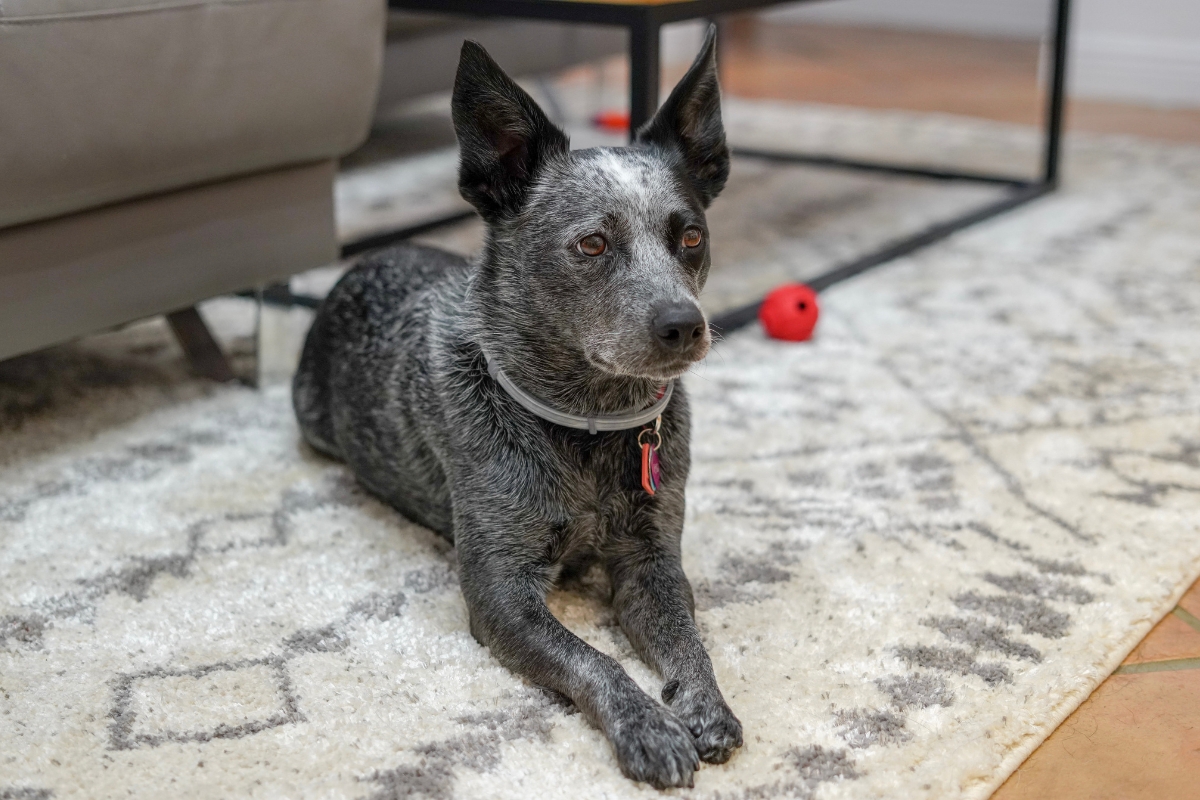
(652, 431)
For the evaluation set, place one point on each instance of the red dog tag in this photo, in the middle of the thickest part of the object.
(650, 472)
(651, 475)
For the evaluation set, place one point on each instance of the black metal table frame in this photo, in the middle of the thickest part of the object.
(644, 23)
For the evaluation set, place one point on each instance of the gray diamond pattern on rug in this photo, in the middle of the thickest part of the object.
(917, 542)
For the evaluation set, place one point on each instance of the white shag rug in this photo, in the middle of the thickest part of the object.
(918, 542)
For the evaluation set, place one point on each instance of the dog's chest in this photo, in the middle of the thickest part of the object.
(593, 503)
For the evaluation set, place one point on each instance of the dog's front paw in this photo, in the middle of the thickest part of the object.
(714, 728)
(653, 746)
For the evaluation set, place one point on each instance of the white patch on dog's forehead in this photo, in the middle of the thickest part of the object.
(635, 184)
(627, 173)
(635, 178)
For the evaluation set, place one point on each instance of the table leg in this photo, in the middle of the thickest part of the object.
(1056, 91)
(643, 72)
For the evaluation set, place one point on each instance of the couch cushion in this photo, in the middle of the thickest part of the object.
(106, 100)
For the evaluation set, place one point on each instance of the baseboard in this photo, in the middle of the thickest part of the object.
(1135, 69)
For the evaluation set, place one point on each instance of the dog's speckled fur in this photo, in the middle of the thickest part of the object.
(393, 380)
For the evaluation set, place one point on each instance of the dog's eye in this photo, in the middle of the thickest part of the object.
(692, 237)
(593, 245)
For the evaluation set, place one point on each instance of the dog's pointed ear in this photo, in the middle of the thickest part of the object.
(690, 123)
(504, 138)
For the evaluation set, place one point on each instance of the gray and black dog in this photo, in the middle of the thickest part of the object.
(585, 297)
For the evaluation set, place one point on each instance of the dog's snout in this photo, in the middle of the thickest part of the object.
(679, 326)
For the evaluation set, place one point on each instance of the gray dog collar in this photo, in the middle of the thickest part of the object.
(607, 422)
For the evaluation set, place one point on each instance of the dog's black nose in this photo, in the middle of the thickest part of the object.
(679, 326)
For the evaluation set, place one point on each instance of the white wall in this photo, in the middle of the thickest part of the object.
(1139, 50)
(1022, 18)
(680, 41)
(1142, 51)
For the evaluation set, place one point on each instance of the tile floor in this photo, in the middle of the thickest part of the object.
(1138, 736)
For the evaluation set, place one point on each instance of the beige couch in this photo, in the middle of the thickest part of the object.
(157, 152)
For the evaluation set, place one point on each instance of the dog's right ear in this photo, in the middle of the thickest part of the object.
(504, 138)
(689, 123)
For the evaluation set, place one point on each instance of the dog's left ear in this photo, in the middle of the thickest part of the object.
(690, 123)
(504, 138)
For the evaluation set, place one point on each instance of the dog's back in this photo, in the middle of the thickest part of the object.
(369, 344)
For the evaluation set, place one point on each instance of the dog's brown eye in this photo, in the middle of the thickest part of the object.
(692, 237)
(593, 245)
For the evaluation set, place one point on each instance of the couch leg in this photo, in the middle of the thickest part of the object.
(203, 352)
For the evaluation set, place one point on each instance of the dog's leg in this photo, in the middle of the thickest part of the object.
(653, 601)
(504, 593)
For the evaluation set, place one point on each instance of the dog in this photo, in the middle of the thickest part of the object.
(525, 406)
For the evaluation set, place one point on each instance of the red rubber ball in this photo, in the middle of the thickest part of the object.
(789, 313)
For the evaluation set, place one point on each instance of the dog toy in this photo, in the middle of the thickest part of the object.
(616, 121)
(789, 312)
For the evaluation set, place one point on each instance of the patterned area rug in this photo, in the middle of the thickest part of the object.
(917, 542)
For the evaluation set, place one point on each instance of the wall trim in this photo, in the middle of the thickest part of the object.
(1135, 68)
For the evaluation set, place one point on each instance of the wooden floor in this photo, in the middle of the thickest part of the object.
(991, 78)
(1138, 736)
